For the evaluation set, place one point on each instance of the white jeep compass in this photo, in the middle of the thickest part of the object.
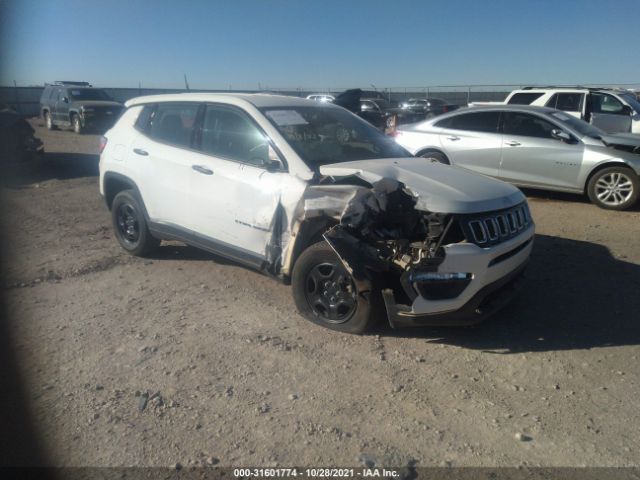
(314, 195)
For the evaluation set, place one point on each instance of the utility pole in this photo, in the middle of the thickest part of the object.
(186, 84)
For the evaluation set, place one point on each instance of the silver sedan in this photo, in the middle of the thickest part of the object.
(533, 147)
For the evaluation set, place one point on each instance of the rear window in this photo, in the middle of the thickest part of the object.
(524, 98)
(143, 119)
(473, 122)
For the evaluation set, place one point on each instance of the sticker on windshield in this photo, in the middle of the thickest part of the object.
(287, 117)
(561, 116)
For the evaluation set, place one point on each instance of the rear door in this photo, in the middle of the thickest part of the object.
(162, 156)
(609, 114)
(472, 140)
(569, 102)
(235, 199)
(532, 157)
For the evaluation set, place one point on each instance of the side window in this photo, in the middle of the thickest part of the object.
(444, 123)
(142, 122)
(551, 103)
(605, 103)
(173, 123)
(526, 125)
(524, 98)
(570, 102)
(476, 122)
(229, 133)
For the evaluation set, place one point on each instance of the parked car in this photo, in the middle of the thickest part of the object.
(78, 105)
(378, 111)
(18, 142)
(430, 107)
(534, 147)
(314, 195)
(614, 111)
(321, 97)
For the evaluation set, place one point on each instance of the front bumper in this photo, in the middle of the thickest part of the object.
(496, 272)
(489, 300)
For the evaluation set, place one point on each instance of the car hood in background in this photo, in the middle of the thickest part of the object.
(98, 103)
(626, 139)
(439, 188)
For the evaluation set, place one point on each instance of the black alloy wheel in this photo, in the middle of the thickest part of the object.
(330, 292)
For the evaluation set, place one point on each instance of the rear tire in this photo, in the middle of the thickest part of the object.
(435, 157)
(130, 226)
(614, 188)
(325, 293)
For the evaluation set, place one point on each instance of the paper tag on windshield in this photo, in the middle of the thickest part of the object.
(286, 117)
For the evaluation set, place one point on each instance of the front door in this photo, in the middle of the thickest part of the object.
(236, 200)
(609, 114)
(532, 157)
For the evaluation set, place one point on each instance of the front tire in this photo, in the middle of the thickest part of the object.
(325, 293)
(130, 226)
(76, 124)
(614, 188)
(48, 121)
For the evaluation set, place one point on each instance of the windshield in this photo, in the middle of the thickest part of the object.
(324, 134)
(88, 94)
(632, 101)
(580, 126)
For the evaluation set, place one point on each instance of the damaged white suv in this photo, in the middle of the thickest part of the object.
(314, 195)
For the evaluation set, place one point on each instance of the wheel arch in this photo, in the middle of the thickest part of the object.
(114, 183)
(422, 151)
(309, 233)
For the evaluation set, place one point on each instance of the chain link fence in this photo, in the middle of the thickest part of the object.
(26, 100)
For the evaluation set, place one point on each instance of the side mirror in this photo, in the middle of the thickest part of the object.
(265, 156)
(561, 135)
(65, 99)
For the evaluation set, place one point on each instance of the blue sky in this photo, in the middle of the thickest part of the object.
(319, 44)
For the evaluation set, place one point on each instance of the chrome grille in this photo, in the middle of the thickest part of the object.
(495, 227)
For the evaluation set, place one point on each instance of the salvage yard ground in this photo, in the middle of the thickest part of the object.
(188, 358)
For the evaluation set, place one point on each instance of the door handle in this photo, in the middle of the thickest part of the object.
(513, 144)
(201, 169)
(453, 138)
(139, 151)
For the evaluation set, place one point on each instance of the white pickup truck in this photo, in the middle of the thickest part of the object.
(610, 110)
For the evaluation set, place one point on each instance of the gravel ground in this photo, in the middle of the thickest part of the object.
(188, 358)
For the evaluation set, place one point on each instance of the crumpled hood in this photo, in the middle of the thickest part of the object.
(439, 188)
(627, 139)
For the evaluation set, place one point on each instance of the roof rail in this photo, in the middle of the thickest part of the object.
(71, 83)
(567, 87)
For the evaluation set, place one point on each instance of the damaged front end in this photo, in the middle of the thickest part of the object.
(388, 244)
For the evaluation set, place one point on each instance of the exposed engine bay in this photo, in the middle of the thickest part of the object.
(380, 230)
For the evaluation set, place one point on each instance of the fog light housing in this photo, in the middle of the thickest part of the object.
(439, 285)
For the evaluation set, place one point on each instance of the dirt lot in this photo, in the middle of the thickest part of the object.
(190, 358)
